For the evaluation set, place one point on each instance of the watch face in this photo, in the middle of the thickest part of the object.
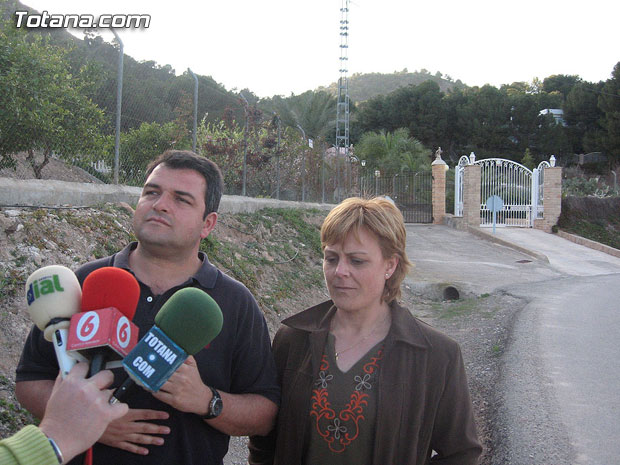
(216, 407)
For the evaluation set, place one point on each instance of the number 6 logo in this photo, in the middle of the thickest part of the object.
(123, 332)
(87, 326)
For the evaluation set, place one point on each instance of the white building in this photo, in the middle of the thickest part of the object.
(557, 113)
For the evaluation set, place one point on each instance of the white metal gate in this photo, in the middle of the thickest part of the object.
(458, 183)
(512, 182)
(520, 189)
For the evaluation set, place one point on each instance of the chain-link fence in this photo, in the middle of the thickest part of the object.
(71, 102)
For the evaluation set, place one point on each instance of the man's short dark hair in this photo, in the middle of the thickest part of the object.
(186, 159)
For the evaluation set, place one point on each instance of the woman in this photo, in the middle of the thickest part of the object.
(363, 381)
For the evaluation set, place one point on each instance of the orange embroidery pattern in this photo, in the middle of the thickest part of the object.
(341, 430)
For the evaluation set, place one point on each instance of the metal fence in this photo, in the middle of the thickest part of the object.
(411, 192)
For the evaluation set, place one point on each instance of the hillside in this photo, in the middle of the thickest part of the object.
(152, 92)
(368, 85)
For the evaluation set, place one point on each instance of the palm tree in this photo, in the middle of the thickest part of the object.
(315, 112)
(392, 152)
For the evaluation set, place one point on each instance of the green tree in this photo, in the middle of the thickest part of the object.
(485, 117)
(528, 160)
(314, 111)
(561, 83)
(224, 143)
(609, 103)
(44, 105)
(551, 138)
(391, 152)
(582, 115)
(139, 146)
(418, 108)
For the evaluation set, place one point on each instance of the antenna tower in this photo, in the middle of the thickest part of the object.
(342, 109)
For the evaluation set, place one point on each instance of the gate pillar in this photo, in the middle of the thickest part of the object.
(439, 168)
(471, 195)
(552, 197)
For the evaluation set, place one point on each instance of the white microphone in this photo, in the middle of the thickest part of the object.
(53, 294)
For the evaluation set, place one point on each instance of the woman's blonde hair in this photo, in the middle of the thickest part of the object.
(382, 218)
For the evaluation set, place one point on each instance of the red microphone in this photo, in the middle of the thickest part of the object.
(103, 332)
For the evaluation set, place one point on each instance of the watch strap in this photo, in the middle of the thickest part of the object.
(216, 398)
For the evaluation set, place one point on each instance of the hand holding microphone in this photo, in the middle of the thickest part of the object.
(53, 295)
(78, 411)
(186, 323)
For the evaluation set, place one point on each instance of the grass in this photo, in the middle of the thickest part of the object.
(294, 219)
(11, 283)
(595, 231)
(288, 255)
(462, 308)
(456, 308)
(597, 219)
(496, 350)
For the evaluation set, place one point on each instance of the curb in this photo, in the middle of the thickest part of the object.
(456, 223)
(492, 238)
(589, 243)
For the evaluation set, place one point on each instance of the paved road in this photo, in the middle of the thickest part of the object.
(561, 380)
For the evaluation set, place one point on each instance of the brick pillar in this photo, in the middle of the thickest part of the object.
(471, 195)
(552, 199)
(439, 168)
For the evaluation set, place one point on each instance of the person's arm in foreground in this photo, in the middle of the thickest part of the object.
(129, 433)
(76, 415)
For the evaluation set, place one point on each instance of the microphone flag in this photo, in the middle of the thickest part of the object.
(106, 329)
(153, 360)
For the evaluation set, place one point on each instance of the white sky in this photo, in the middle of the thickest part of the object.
(283, 46)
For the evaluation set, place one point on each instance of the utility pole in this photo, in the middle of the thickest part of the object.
(195, 117)
(342, 108)
(119, 104)
(278, 161)
(303, 164)
(245, 145)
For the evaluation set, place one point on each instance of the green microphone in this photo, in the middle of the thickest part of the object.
(185, 324)
(191, 318)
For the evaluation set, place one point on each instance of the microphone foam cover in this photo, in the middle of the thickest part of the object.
(111, 287)
(191, 318)
(52, 292)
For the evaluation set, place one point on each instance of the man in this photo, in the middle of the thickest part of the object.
(182, 423)
(77, 414)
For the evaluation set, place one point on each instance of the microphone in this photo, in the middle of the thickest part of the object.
(103, 331)
(53, 295)
(186, 323)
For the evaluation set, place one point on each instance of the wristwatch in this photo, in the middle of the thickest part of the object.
(215, 406)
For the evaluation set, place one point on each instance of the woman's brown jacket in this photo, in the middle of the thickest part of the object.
(424, 412)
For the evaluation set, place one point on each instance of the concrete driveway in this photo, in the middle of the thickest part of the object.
(444, 256)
